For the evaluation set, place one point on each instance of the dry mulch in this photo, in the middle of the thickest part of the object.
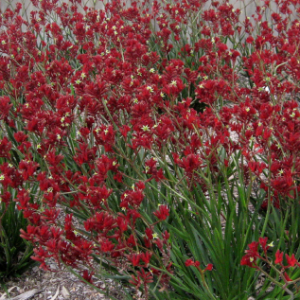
(39, 284)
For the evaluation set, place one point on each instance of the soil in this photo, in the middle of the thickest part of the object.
(39, 284)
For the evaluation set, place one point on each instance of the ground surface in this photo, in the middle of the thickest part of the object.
(53, 286)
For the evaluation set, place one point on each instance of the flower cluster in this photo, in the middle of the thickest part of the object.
(110, 117)
(252, 258)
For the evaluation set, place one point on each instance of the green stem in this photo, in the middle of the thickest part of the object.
(283, 286)
(204, 282)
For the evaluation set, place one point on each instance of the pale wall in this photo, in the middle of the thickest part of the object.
(250, 4)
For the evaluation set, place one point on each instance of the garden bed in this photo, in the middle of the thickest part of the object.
(150, 150)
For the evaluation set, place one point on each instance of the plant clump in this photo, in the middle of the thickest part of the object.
(167, 135)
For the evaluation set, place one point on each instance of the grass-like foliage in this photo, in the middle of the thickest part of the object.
(15, 252)
(156, 144)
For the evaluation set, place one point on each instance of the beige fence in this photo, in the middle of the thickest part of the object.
(246, 6)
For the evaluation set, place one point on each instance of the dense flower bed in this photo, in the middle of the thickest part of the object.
(167, 132)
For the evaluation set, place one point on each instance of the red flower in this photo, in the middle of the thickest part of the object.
(209, 267)
(134, 259)
(263, 243)
(162, 213)
(190, 262)
(149, 233)
(251, 256)
(249, 40)
(5, 106)
(152, 170)
(286, 276)
(122, 223)
(248, 261)
(20, 136)
(253, 249)
(146, 257)
(23, 198)
(5, 146)
(291, 260)
(197, 263)
(190, 163)
(107, 245)
(29, 235)
(41, 255)
(142, 277)
(131, 241)
(279, 257)
(124, 130)
(27, 168)
(88, 277)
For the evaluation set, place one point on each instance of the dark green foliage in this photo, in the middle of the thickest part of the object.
(15, 252)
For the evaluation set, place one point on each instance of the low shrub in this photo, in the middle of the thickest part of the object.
(15, 252)
(150, 143)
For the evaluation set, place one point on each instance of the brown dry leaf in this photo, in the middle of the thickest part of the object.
(65, 292)
(26, 295)
(56, 294)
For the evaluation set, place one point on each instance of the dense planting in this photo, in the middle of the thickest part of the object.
(150, 143)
